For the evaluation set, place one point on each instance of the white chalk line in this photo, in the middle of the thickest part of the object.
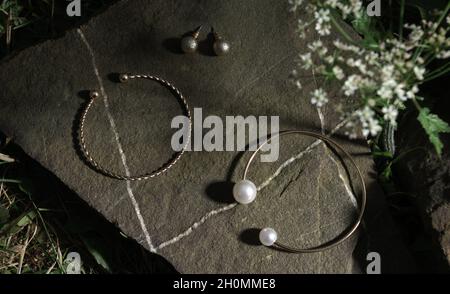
(196, 225)
(347, 188)
(341, 176)
(119, 145)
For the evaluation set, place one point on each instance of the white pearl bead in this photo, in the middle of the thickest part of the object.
(189, 44)
(221, 47)
(268, 236)
(244, 192)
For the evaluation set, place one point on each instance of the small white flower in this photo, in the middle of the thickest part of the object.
(411, 94)
(351, 129)
(319, 97)
(387, 71)
(419, 72)
(387, 89)
(295, 4)
(322, 15)
(315, 45)
(307, 61)
(345, 10)
(322, 51)
(371, 127)
(346, 47)
(351, 85)
(390, 114)
(329, 59)
(293, 77)
(338, 72)
(401, 92)
(324, 29)
(331, 3)
(443, 54)
(367, 114)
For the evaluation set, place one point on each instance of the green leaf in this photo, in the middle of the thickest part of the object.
(17, 224)
(366, 26)
(26, 219)
(386, 175)
(6, 158)
(4, 216)
(433, 126)
(383, 154)
(27, 186)
(100, 249)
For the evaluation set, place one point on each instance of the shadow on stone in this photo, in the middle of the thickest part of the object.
(114, 77)
(250, 237)
(205, 46)
(221, 192)
(373, 237)
(173, 45)
(84, 94)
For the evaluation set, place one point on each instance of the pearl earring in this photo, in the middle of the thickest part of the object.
(189, 43)
(221, 47)
(244, 192)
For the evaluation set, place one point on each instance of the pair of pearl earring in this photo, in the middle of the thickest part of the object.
(189, 43)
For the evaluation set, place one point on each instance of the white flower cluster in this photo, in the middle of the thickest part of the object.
(381, 79)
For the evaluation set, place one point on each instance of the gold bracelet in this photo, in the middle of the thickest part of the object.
(94, 164)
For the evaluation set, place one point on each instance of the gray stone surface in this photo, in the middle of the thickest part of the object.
(307, 204)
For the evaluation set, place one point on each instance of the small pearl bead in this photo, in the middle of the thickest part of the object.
(123, 78)
(244, 192)
(221, 47)
(189, 44)
(94, 94)
(268, 236)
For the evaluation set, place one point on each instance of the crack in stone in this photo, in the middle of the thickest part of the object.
(347, 188)
(272, 67)
(294, 179)
(117, 138)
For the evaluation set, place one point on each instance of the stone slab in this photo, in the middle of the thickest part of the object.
(43, 90)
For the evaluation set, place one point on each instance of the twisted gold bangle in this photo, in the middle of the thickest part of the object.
(245, 192)
(94, 164)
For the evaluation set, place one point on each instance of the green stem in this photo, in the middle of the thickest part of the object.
(10, 181)
(416, 104)
(435, 74)
(443, 15)
(341, 30)
(44, 225)
(402, 19)
(443, 67)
